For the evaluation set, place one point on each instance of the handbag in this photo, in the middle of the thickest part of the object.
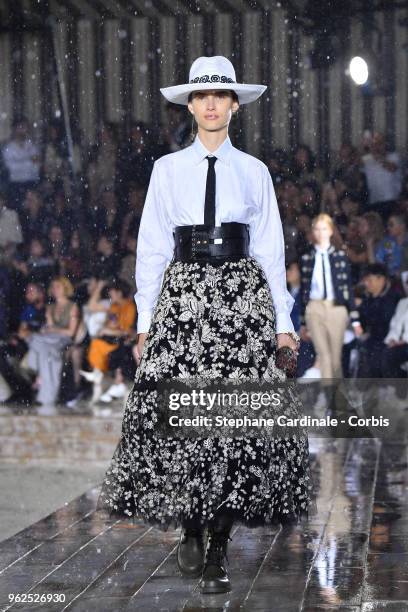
(286, 360)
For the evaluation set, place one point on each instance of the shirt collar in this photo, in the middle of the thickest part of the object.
(223, 152)
(319, 249)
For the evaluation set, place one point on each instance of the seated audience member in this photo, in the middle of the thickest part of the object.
(376, 311)
(96, 307)
(60, 212)
(32, 318)
(5, 297)
(371, 231)
(391, 250)
(349, 167)
(303, 167)
(39, 266)
(382, 169)
(55, 167)
(22, 159)
(57, 242)
(102, 167)
(123, 362)
(135, 159)
(106, 263)
(106, 216)
(120, 320)
(94, 311)
(278, 164)
(76, 261)
(128, 263)
(33, 313)
(34, 218)
(395, 352)
(304, 235)
(46, 347)
(356, 249)
(350, 208)
(310, 198)
(133, 215)
(10, 229)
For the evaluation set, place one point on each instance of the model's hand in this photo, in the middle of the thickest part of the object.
(286, 340)
(139, 347)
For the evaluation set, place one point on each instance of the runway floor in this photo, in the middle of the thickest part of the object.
(353, 556)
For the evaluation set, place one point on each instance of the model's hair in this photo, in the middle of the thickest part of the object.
(119, 284)
(377, 269)
(324, 217)
(233, 93)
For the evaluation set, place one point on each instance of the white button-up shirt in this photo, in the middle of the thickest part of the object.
(316, 285)
(383, 185)
(176, 196)
(398, 329)
(18, 159)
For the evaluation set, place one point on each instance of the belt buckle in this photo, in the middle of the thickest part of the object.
(199, 242)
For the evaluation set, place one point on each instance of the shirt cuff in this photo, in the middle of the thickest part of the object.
(143, 321)
(284, 323)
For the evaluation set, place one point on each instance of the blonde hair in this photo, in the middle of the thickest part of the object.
(375, 224)
(324, 217)
(66, 283)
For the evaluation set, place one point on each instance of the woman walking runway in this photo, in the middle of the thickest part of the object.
(212, 300)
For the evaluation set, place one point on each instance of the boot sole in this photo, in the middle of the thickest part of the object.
(214, 589)
(190, 574)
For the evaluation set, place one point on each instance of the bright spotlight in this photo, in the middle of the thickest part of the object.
(358, 70)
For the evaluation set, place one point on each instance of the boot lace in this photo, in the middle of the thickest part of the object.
(217, 549)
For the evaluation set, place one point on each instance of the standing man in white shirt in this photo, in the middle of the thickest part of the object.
(213, 302)
(22, 159)
(383, 174)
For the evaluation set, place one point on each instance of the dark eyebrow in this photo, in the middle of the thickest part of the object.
(216, 92)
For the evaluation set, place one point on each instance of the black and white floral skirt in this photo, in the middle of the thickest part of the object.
(218, 319)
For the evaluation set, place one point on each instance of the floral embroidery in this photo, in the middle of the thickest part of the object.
(216, 320)
(214, 78)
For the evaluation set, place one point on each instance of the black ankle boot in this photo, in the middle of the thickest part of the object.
(190, 551)
(215, 577)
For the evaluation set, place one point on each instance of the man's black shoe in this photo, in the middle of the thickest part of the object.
(190, 551)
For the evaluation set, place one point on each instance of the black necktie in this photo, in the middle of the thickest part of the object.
(209, 209)
(324, 279)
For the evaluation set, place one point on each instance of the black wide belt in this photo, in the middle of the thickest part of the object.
(201, 242)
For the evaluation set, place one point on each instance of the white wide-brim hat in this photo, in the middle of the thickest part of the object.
(214, 72)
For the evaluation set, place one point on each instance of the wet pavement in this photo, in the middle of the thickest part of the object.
(353, 556)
